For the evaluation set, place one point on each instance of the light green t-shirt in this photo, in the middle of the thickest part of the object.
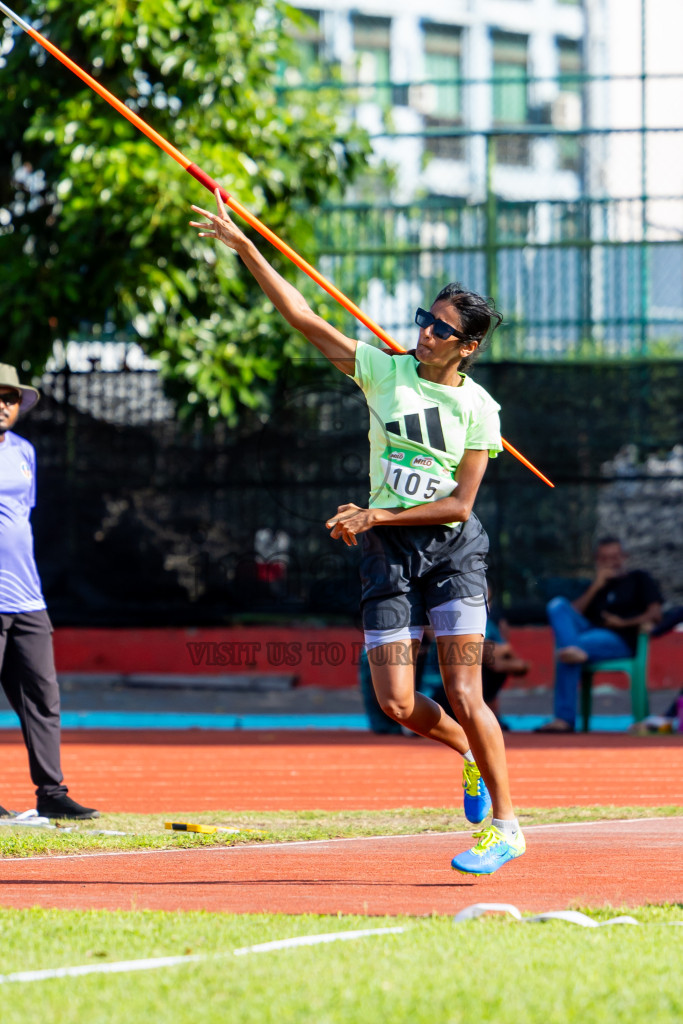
(419, 430)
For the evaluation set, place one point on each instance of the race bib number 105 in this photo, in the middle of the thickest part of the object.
(414, 478)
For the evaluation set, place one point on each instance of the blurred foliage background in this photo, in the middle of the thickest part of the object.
(94, 235)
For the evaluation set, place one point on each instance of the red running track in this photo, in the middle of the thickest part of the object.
(607, 863)
(202, 771)
(602, 863)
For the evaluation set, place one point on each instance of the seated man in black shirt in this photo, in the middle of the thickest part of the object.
(601, 624)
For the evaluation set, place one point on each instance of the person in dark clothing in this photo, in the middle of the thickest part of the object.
(602, 623)
(500, 661)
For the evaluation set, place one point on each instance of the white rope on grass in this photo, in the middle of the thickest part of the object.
(154, 963)
(572, 916)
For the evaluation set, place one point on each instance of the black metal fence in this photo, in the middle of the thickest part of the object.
(142, 521)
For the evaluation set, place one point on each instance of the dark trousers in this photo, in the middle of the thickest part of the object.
(492, 683)
(28, 677)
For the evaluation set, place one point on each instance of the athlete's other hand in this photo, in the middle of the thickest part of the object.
(219, 225)
(349, 521)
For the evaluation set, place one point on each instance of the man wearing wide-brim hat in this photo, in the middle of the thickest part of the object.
(27, 668)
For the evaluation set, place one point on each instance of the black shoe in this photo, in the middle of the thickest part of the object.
(62, 806)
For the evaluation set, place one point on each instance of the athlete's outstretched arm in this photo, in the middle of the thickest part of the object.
(351, 520)
(340, 350)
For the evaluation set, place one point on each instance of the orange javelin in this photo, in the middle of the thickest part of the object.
(209, 183)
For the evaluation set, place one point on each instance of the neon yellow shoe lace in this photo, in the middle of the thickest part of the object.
(470, 778)
(487, 837)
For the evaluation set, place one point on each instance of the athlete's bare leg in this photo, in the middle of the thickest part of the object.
(392, 667)
(460, 659)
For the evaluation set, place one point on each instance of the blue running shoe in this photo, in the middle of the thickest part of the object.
(492, 851)
(476, 799)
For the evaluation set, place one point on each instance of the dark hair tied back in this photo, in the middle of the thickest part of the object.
(478, 316)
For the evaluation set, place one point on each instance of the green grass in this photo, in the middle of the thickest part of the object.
(147, 831)
(492, 969)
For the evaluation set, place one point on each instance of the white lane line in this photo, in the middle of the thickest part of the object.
(315, 940)
(431, 835)
(250, 847)
(154, 963)
(226, 849)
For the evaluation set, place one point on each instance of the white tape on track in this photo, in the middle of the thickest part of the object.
(154, 963)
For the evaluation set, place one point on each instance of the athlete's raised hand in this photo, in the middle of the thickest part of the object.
(219, 225)
(339, 349)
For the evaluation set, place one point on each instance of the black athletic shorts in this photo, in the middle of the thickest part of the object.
(406, 570)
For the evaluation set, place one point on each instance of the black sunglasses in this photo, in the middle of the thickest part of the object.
(441, 328)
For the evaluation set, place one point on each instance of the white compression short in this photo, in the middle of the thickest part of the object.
(460, 617)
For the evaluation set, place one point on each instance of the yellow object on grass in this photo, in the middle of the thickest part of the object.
(186, 826)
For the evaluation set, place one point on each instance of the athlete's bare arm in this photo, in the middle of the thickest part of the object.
(351, 520)
(340, 350)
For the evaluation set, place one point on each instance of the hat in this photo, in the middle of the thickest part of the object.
(10, 379)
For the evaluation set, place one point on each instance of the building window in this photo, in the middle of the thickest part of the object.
(510, 103)
(568, 103)
(443, 70)
(510, 63)
(308, 40)
(371, 38)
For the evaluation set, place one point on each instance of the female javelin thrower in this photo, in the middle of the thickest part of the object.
(432, 431)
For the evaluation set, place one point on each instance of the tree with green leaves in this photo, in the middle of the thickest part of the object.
(94, 218)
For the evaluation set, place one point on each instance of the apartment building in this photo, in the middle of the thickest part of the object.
(564, 113)
(436, 78)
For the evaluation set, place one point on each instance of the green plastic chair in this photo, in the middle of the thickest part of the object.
(635, 668)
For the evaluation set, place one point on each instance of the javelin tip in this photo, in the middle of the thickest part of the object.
(15, 17)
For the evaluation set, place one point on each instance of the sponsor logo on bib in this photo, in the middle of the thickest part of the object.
(422, 460)
(397, 456)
